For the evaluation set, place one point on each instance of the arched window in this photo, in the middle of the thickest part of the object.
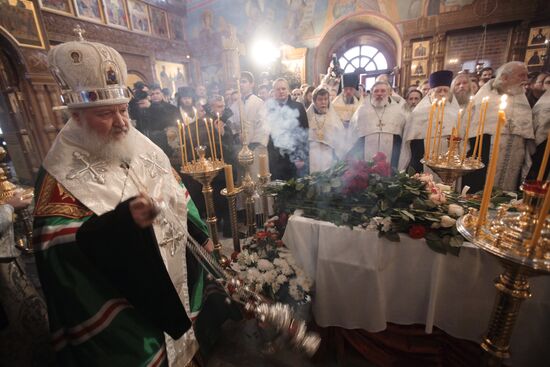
(366, 61)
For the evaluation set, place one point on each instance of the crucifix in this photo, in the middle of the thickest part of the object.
(151, 163)
(95, 169)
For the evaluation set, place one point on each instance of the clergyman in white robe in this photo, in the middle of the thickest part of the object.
(516, 142)
(380, 125)
(327, 138)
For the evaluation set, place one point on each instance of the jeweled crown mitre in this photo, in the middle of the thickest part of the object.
(89, 73)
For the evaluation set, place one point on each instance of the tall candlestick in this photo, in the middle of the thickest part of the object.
(197, 126)
(213, 139)
(209, 138)
(264, 171)
(190, 136)
(482, 130)
(230, 185)
(442, 113)
(429, 131)
(458, 120)
(183, 147)
(436, 132)
(220, 138)
(478, 131)
(470, 105)
(542, 169)
(488, 189)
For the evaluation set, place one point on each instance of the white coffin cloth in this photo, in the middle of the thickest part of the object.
(364, 282)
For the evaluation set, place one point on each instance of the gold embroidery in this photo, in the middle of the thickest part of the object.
(54, 200)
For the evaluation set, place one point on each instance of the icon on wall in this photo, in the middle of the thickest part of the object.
(538, 35)
(534, 57)
(421, 49)
(419, 68)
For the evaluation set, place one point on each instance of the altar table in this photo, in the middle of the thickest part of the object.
(363, 282)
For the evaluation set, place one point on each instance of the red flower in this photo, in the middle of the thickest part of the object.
(262, 235)
(417, 231)
(379, 157)
(382, 168)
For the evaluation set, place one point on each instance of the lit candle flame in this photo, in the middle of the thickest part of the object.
(503, 102)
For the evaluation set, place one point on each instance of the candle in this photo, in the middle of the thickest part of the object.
(220, 138)
(541, 218)
(264, 171)
(183, 147)
(482, 129)
(186, 120)
(228, 170)
(476, 144)
(213, 139)
(436, 132)
(470, 104)
(429, 131)
(451, 145)
(542, 169)
(442, 116)
(488, 189)
(458, 120)
(209, 138)
(197, 126)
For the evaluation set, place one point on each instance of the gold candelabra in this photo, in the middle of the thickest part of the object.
(246, 159)
(521, 242)
(450, 166)
(204, 170)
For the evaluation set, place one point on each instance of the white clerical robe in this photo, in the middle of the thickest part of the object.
(101, 184)
(379, 126)
(343, 110)
(541, 118)
(416, 126)
(327, 138)
(516, 142)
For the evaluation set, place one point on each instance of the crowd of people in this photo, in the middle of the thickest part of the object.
(305, 129)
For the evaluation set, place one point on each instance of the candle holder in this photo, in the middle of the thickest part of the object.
(204, 170)
(263, 181)
(232, 201)
(507, 236)
(246, 159)
(449, 166)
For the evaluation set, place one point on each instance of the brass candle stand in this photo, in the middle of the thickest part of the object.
(204, 170)
(263, 180)
(232, 204)
(508, 236)
(246, 159)
(450, 166)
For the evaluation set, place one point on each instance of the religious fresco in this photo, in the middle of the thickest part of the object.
(170, 75)
(177, 27)
(89, 9)
(18, 18)
(159, 24)
(139, 16)
(116, 13)
(58, 6)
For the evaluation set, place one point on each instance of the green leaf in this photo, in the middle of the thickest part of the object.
(359, 209)
(408, 214)
(299, 186)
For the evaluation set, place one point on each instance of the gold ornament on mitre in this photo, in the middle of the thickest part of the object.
(89, 73)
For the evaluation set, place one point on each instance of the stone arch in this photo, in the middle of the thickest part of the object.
(367, 25)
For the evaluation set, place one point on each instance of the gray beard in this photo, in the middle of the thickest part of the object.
(377, 104)
(462, 98)
(104, 148)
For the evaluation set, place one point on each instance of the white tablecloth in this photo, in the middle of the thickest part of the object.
(363, 282)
